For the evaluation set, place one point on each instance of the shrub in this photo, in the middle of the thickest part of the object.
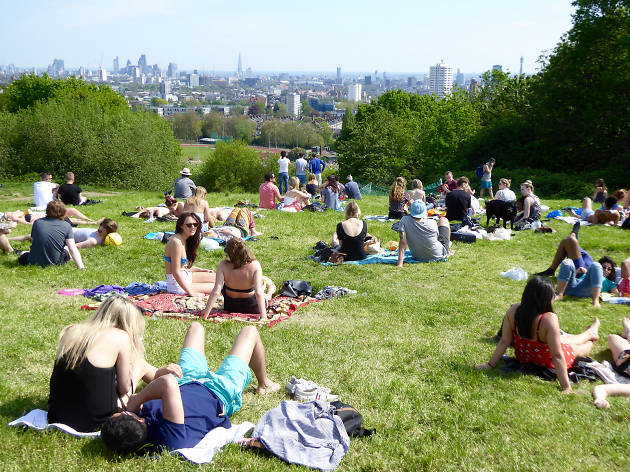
(234, 167)
(113, 148)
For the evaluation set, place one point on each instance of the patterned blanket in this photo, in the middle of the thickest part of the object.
(167, 305)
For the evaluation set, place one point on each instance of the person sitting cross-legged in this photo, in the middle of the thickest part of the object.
(427, 240)
(174, 413)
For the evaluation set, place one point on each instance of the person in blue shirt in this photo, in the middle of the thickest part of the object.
(352, 189)
(177, 412)
(317, 166)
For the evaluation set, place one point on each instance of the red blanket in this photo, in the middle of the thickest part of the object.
(167, 305)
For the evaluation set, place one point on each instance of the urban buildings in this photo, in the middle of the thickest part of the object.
(172, 70)
(440, 79)
(294, 106)
(354, 92)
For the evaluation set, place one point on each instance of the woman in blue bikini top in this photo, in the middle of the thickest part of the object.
(182, 247)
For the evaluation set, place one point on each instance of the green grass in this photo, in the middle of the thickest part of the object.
(402, 350)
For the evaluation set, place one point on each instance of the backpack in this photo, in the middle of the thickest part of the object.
(295, 288)
(352, 420)
(480, 171)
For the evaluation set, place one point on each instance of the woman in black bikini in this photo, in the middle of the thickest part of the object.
(239, 279)
(351, 234)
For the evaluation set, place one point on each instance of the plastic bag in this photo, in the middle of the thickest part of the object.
(515, 273)
(209, 244)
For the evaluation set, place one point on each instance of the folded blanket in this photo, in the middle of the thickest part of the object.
(377, 218)
(572, 220)
(388, 257)
(202, 453)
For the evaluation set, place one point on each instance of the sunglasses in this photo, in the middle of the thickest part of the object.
(191, 225)
(607, 267)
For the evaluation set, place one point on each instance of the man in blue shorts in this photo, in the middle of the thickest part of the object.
(175, 413)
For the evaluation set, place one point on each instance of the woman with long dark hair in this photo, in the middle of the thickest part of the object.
(240, 281)
(182, 277)
(534, 329)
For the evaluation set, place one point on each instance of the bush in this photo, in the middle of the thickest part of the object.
(234, 167)
(116, 148)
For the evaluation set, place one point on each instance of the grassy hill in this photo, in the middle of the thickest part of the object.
(402, 350)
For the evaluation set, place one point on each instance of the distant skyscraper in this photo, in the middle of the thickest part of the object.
(172, 70)
(354, 92)
(57, 66)
(367, 80)
(240, 66)
(165, 89)
(128, 68)
(440, 79)
(294, 106)
(411, 81)
(116, 65)
(193, 80)
(142, 63)
(521, 70)
(339, 76)
(498, 67)
(102, 75)
(459, 78)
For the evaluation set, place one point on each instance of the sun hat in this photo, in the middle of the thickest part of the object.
(113, 239)
(185, 171)
(418, 209)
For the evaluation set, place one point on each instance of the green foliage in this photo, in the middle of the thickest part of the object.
(408, 135)
(29, 90)
(296, 152)
(234, 166)
(115, 149)
(157, 102)
(582, 105)
(186, 126)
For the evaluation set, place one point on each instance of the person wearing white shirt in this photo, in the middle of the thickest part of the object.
(44, 191)
(283, 172)
(505, 193)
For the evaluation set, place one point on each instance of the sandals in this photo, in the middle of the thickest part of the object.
(306, 390)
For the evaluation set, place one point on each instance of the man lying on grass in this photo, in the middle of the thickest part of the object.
(177, 413)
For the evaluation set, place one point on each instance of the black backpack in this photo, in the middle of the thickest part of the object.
(352, 420)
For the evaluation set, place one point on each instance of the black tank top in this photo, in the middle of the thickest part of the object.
(352, 245)
(83, 397)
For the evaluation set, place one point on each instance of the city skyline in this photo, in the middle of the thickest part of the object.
(408, 39)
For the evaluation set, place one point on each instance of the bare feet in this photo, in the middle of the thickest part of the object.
(594, 330)
(626, 328)
(256, 233)
(558, 297)
(269, 387)
(599, 396)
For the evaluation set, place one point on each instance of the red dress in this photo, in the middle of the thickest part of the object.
(538, 352)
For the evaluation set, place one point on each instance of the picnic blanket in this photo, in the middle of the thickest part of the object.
(572, 220)
(607, 373)
(387, 257)
(183, 307)
(202, 453)
(377, 218)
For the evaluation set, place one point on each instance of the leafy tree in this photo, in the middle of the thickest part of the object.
(212, 123)
(253, 110)
(234, 167)
(28, 90)
(581, 102)
(186, 126)
(158, 102)
(243, 130)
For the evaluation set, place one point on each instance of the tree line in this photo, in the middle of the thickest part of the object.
(572, 117)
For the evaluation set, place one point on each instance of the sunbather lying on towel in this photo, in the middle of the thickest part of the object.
(620, 350)
(176, 413)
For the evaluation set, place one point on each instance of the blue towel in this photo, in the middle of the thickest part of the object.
(139, 288)
(388, 257)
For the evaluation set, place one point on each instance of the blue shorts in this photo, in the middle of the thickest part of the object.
(486, 184)
(227, 383)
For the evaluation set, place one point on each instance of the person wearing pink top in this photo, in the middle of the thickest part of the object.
(269, 192)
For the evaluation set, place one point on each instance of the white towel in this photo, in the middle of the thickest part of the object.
(607, 373)
(202, 453)
(38, 419)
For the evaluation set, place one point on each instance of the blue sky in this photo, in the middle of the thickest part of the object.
(395, 37)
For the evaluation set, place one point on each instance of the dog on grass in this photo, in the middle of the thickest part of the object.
(501, 210)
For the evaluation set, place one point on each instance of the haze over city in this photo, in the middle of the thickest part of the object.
(404, 37)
